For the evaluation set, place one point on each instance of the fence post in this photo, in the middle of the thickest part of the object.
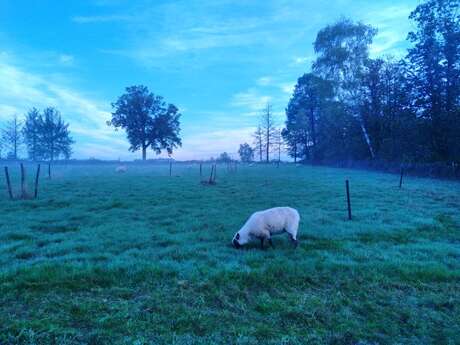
(401, 178)
(37, 176)
(23, 181)
(347, 185)
(8, 183)
(212, 172)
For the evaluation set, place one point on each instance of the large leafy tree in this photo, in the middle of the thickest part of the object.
(54, 139)
(343, 53)
(306, 109)
(435, 64)
(147, 120)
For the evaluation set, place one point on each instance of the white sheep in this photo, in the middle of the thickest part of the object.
(121, 169)
(263, 224)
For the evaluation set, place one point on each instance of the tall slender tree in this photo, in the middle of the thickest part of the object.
(12, 137)
(259, 142)
(268, 129)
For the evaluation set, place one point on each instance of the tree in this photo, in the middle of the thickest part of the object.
(435, 63)
(305, 111)
(268, 128)
(148, 121)
(31, 133)
(343, 52)
(12, 137)
(258, 142)
(54, 138)
(224, 158)
(277, 143)
(246, 153)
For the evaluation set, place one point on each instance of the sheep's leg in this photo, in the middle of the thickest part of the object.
(271, 242)
(294, 241)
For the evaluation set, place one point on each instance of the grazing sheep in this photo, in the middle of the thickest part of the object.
(263, 224)
(121, 169)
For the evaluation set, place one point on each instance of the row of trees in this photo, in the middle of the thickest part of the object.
(267, 138)
(44, 134)
(354, 107)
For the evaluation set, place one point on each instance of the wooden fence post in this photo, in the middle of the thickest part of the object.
(212, 172)
(37, 176)
(347, 185)
(8, 183)
(23, 181)
(401, 178)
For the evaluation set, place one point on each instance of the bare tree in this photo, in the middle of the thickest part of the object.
(268, 130)
(258, 141)
(277, 143)
(12, 137)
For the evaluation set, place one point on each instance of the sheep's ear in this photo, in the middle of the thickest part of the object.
(237, 236)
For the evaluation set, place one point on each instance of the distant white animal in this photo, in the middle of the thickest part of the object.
(263, 225)
(121, 169)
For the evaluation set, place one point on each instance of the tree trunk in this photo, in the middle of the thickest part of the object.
(367, 138)
(268, 144)
(313, 133)
(295, 153)
(144, 153)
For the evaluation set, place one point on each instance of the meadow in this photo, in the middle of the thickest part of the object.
(145, 258)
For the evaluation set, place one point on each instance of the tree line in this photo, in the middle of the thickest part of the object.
(354, 107)
(44, 135)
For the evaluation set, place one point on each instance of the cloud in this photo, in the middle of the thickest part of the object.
(264, 81)
(302, 60)
(251, 100)
(102, 19)
(393, 26)
(66, 60)
(287, 88)
(21, 90)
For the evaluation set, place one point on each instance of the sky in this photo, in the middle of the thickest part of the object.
(219, 62)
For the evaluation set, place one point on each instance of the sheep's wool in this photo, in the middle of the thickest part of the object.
(264, 224)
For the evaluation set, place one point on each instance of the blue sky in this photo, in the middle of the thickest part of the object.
(218, 61)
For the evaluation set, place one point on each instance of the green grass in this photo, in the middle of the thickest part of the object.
(144, 258)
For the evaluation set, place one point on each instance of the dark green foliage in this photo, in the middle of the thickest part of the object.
(47, 136)
(246, 153)
(224, 157)
(31, 133)
(381, 109)
(148, 121)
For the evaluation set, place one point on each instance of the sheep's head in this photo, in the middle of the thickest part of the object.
(239, 239)
(236, 240)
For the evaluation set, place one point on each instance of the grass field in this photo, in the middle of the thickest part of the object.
(144, 258)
